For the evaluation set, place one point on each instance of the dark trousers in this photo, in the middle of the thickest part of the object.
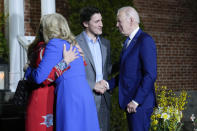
(104, 115)
(139, 121)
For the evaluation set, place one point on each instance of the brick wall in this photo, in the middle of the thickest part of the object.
(62, 7)
(173, 25)
(1, 5)
(1, 8)
(33, 14)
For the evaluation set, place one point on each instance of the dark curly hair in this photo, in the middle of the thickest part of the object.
(86, 13)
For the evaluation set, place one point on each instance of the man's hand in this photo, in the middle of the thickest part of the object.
(69, 55)
(100, 86)
(131, 107)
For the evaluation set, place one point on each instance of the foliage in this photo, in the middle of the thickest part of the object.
(3, 45)
(167, 116)
(109, 9)
(118, 117)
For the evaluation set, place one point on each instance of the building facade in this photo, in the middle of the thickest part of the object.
(172, 24)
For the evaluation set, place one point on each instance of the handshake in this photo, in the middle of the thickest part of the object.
(101, 86)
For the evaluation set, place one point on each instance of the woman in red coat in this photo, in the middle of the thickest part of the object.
(40, 108)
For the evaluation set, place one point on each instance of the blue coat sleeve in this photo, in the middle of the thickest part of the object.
(52, 55)
(111, 83)
(149, 68)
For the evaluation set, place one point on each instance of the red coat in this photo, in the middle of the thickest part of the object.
(39, 115)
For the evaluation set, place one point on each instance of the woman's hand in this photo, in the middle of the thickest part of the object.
(80, 51)
(69, 55)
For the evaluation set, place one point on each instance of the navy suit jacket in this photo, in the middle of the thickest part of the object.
(137, 72)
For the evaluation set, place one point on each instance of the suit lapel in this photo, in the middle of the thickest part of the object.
(84, 45)
(131, 45)
(103, 53)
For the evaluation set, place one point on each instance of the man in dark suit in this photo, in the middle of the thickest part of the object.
(137, 71)
(97, 56)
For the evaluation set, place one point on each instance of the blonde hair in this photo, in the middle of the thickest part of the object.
(52, 26)
(56, 26)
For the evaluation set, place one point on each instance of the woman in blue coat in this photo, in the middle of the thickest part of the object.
(75, 107)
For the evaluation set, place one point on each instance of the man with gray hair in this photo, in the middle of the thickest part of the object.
(137, 72)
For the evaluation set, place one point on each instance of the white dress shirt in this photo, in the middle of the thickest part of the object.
(131, 36)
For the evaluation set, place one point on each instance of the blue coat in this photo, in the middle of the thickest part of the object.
(75, 106)
(138, 71)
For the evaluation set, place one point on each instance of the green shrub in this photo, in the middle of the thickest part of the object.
(3, 45)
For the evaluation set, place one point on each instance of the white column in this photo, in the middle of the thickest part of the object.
(16, 28)
(47, 7)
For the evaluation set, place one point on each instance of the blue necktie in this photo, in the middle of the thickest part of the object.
(125, 43)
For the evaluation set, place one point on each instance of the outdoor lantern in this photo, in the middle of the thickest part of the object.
(4, 77)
